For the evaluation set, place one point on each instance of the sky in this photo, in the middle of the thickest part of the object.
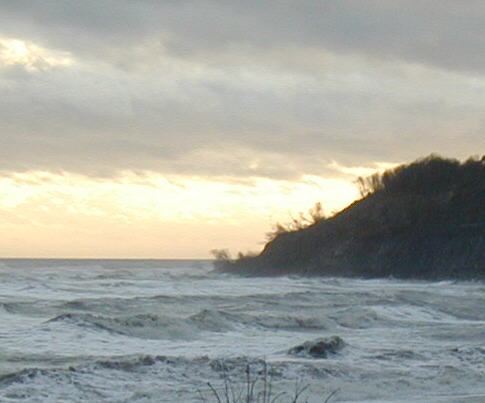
(165, 129)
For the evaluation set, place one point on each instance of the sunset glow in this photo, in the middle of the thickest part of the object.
(150, 214)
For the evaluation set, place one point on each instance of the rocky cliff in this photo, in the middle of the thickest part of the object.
(423, 220)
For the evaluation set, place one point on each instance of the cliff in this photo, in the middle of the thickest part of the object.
(424, 220)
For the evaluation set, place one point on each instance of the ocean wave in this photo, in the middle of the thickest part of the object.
(124, 378)
(128, 363)
(288, 321)
(355, 317)
(149, 326)
(4, 308)
(20, 376)
(265, 320)
(14, 307)
(133, 363)
(474, 355)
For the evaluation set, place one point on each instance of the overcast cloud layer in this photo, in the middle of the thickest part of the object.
(276, 89)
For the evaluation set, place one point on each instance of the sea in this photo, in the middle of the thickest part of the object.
(177, 331)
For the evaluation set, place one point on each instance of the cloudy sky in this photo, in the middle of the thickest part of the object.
(163, 128)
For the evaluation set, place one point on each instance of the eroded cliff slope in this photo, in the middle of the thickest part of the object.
(422, 220)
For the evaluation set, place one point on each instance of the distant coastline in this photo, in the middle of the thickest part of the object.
(424, 220)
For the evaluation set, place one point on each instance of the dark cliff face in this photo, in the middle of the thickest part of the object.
(424, 220)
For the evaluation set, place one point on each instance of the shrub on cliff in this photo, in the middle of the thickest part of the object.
(313, 216)
(425, 176)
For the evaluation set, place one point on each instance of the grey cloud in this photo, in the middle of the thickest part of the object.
(444, 33)
(215, 87)
(102, 127)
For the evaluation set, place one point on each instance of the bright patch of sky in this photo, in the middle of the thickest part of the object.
(17, 52)
(53, 205)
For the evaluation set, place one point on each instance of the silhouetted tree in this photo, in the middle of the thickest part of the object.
(429, 175)
(314, 215)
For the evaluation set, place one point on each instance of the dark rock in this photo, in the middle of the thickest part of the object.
(319, 348)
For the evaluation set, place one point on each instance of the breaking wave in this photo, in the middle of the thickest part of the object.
(149, 326)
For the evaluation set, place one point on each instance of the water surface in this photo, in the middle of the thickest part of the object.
(158, 331)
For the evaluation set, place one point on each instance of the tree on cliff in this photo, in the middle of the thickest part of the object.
(425, 219)
(314, 215)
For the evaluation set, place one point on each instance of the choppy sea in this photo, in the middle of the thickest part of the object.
(174, 331)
